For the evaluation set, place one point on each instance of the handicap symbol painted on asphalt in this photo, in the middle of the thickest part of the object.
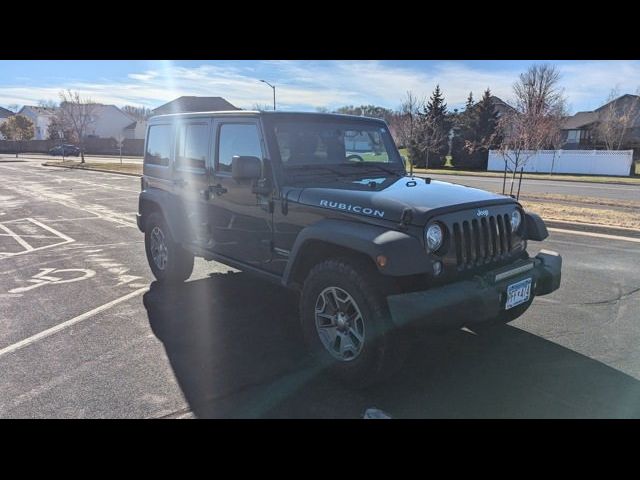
(68, 275)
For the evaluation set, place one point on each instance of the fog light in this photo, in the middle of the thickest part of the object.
(437, 268)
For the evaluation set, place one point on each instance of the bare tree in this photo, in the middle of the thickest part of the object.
(262, 106)
(618, 117)
(17, 128)
(406, 125)
(535, 121)
(137, 113)
(51, 104)
(76, 114)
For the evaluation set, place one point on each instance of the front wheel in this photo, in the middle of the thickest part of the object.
(346, 322)
(169, 262)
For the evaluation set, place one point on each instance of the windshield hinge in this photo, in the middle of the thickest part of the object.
(406, 218)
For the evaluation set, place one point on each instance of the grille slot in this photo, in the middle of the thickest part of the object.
(480, 241)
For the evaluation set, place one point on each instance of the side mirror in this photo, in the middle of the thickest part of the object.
(246, 168)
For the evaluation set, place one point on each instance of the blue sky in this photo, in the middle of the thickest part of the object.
(301, 85)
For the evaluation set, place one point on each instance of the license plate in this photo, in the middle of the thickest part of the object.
(518, 293)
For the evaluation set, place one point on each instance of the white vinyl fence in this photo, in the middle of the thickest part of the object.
(590, 162)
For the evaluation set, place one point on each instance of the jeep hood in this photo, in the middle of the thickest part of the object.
(391, 197)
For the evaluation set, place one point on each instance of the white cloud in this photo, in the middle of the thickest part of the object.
(307, 85)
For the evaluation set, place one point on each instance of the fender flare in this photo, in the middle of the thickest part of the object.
(535, 227)
(405, 253)
(169, 208)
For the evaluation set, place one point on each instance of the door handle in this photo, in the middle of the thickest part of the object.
(179, 182)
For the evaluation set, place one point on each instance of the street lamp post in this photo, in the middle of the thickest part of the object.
(274, 92)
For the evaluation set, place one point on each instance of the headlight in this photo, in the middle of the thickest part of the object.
(434, 237)
(516, 218)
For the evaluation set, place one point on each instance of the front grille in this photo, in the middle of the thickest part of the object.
(483, 240)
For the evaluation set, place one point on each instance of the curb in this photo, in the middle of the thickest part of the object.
(594, 228)
(92, 170)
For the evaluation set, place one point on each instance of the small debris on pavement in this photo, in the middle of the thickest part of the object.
(374, 413)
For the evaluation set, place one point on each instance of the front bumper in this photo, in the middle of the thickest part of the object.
(139, 222)
(477, 300)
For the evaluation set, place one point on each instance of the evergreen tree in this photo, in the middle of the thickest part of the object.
(435, 126)
(487, 122)
(470, 103)
(477, 133)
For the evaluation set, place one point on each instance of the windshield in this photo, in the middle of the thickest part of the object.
(335, 144)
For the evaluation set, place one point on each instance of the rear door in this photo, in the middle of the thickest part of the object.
(191, 174)
(239, 218)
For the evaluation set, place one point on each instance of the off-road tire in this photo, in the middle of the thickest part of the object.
(179, 262)
(383, 351)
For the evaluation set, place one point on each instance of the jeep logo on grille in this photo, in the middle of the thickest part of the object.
(482, 212)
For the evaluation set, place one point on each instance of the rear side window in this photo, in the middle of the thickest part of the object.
(158, 145)
(192, 146)
(237, 139)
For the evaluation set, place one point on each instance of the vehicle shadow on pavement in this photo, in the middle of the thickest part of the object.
(236, 349)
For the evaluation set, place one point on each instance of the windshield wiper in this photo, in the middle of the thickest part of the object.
(377, 165)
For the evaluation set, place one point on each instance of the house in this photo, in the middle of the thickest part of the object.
(4, 115)
(108, 121)
(135, 130)
(500, 105)
(195, 104)
(41, 118)
(579, 129)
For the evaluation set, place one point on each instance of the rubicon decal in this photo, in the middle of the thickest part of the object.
(347, 207)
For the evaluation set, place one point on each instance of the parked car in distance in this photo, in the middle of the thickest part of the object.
(66, 150)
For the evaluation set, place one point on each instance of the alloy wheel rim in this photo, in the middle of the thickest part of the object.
(159, 251)
(339, 323)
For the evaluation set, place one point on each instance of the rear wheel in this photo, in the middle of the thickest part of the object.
(169, 262)
(346, 322)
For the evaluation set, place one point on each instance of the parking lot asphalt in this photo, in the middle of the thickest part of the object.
(86, 332)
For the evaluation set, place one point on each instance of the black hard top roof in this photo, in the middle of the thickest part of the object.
(260, 113)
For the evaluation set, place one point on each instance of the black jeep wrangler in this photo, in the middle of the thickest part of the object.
(322, 204)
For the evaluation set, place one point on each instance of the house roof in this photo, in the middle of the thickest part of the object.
(194, 104)
(626, 96)
(500, 105)
(584, 119)
(4, 113)
(580, 120)
(40, 110)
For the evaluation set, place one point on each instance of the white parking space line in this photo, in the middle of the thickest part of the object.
(596, 235)
(52, 230)
(16, 237)
(65, 238)
(61, 326)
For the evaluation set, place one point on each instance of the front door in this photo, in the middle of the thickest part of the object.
(239, 218)
(190, 177)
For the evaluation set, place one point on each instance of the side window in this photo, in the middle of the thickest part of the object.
(158, 145)
(237, 139)
(192, 146)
